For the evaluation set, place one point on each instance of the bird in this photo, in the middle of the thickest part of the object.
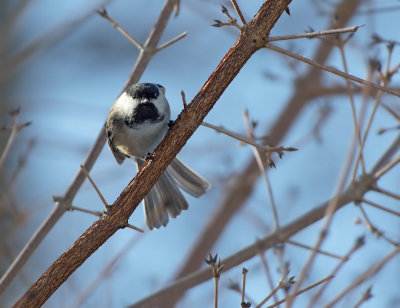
(137, 122)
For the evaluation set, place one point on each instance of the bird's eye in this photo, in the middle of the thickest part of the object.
(161, 88)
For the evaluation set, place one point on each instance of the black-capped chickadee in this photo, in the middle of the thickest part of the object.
(136, 124)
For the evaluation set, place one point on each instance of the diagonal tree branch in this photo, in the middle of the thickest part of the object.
(63, 203)
(251, 39)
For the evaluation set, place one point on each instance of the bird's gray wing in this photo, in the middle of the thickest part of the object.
(119, 156)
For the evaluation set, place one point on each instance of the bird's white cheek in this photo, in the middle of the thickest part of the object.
(125, 104)
(163, 107)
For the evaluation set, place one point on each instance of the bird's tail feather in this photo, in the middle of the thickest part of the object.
(165, 198)
(190, 181)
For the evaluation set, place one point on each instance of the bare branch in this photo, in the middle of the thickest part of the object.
(266, 149)
(14, 131)
(169, 43)
(333, 71)
(239, 12)
(273, 292)
(376, 205)
(331, 209)
(389, 166)
(95, 187)
(302, 291)
(329, 254)
(263, 172)
(103, 13)
(385, 78)
(134, 228)
(264, 262)
(83, 210)
(244, 273)
(358, 244)
(364, 276)
(341, 44)
(367, 295)
(387, 193)
(231, 21)
(216, 267)
(314, 34)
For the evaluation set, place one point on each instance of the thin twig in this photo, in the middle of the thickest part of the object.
(364, 276)
(367, 129)
(368, 222)
(387, 193)
(234, 286)
(302, 291)
(388, 167)
(15, 129)
(329, 254)
(313, 34)
(362, 114)
(341, 45)
(244, 273)
(216, 268)
(341, 182)
(358, 244)
(83, 210)
(135, 228)
(232, 21)
(264, 262)
(284, 267)
(10, 183)
(169, 43)
(103, 13)
(239, 12)
(385, 78)
(377, 232)
(184, 102)
(86, 173)
(376, 205)
(246, 140)
(367, 295)
(273, 292)
(263, 172)
(383, 130)
(333, 71)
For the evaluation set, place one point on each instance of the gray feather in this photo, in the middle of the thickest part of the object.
(170, 195)
(119, 156)
(191, 182)
(163, 199)
(150, 211)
